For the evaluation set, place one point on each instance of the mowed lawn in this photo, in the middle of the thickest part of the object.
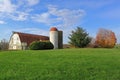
(63, 64)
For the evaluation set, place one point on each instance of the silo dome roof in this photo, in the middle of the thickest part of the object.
(53, 29)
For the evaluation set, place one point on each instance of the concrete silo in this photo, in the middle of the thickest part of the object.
(54, 37)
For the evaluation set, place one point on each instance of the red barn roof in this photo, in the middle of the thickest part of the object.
(28, 38)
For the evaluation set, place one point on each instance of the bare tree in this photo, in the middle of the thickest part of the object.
(4, 44)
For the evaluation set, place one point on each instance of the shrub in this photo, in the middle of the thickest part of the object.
(48, 45)
(34, 45)
(38, 45)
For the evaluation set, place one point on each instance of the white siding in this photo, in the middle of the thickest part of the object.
(15, 42)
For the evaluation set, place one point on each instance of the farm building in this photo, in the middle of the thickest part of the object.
(20, 41)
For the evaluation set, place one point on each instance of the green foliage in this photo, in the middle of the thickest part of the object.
(48, 45)
(79, 38)
(65, 64)
(37, 45)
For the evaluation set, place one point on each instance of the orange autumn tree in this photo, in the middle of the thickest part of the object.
(105, 38)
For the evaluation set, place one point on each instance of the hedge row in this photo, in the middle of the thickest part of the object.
(38, 45)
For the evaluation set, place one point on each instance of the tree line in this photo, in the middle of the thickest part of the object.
(104, 38)
(80, 38)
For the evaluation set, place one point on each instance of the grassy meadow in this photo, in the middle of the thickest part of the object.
(63, 64)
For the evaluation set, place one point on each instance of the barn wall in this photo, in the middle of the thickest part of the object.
(14, 43)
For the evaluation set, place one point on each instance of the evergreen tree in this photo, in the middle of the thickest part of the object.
(79, 38)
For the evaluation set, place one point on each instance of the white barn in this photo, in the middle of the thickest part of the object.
(21, 41)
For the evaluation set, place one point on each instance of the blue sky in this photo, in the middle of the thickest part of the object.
(38, 16)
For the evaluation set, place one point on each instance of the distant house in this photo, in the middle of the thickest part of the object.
(21, 41)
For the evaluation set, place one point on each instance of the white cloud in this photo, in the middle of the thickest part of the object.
(20, 16)
(32, 2)
(2, 22)
(7, 7)
(18, 11)
(42, 18)
(68, 17)
(64, 17)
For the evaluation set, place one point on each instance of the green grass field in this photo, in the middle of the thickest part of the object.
(64, 64)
